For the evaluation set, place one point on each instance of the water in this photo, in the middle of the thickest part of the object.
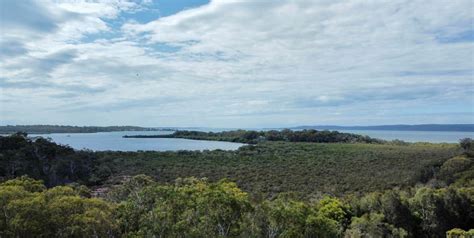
(408, 136)
(113, 140)
(416, 136)
(104, 141)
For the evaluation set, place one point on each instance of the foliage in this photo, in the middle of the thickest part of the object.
(42, 159)
(459, 168)
(253, 137)
(373, 225)
(272, 189)
(29, 210)
(190, 208)
(309, 169)
(459, 233)
(268, 168)
(467, 144)
(441, 209)
(197, 208)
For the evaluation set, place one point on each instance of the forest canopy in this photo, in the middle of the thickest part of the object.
(140, 207)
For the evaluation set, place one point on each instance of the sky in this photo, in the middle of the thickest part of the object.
(236, 63)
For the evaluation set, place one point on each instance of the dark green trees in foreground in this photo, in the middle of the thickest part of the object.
(191, 207)
(28, 209)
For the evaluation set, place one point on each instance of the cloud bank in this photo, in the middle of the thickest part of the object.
(237, 63)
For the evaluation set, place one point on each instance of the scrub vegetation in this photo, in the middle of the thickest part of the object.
(270, 189)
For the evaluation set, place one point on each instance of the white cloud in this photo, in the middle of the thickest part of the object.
(244, 63)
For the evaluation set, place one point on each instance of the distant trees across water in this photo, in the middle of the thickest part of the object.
(45, 129)
(253, 137)
(420, 127)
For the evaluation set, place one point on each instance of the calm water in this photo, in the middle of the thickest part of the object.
(113, 141)
(416, 136)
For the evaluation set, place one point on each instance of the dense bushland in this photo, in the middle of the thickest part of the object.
(191, 207)
(272, 189)
(28, 209)
(306, 168)
(268, 168)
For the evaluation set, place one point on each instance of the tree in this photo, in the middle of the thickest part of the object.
(283, 217)
(467, 144)
(330, 218)
(453, 168)
(29, 210)
(190, 208)
(373, 225)
(440, 210)
(459, 233)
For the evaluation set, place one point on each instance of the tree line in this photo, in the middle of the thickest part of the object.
(253, 137)
(46, 129)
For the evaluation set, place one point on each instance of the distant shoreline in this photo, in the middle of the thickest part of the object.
(48, 129)
(421, 127)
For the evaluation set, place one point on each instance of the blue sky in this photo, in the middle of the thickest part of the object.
(157, 9)
(236, 63)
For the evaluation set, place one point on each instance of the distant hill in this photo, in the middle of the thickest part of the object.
(421, 127)
(45, 129)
